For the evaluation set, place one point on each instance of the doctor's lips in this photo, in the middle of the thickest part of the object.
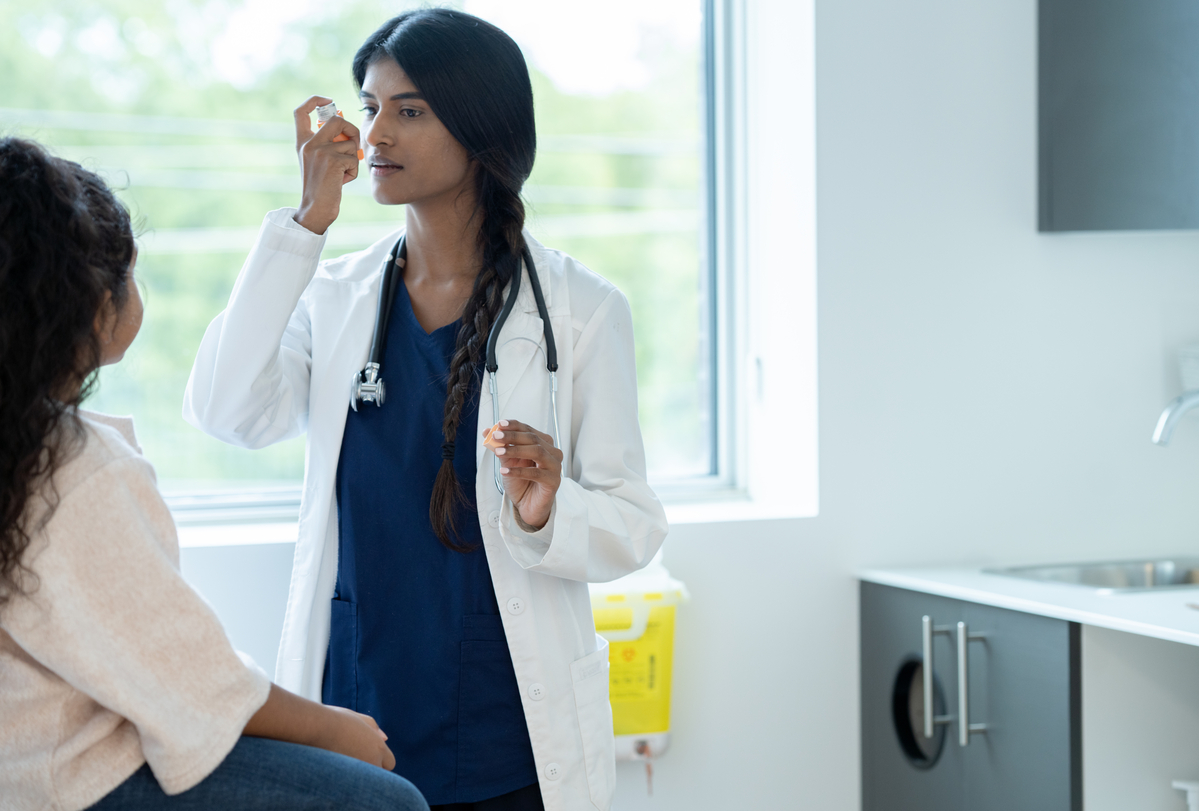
(381, 167)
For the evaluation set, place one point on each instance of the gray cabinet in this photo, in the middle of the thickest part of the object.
(1118, 114)
(1023, 686)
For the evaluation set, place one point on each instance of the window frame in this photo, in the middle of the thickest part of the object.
(725, 268)
(765, 276)
(724, 298)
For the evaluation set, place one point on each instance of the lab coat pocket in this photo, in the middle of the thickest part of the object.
(590, 678)
(341, 688)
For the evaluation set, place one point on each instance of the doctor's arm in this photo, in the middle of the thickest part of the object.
(249, 383)
(605, 521)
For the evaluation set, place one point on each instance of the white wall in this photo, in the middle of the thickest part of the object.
(247, 585)
(986, 392)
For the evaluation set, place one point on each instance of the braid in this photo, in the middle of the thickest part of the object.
(502, 244)
(476, 83)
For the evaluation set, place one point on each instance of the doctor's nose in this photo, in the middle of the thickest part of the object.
(376, 133)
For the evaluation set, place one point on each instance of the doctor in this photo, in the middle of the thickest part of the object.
(454, 613)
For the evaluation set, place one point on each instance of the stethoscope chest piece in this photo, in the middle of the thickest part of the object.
(368, 387)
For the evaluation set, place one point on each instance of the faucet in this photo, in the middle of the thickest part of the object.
(1173, 413)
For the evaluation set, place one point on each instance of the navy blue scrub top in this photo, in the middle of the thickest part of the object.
(416, 640)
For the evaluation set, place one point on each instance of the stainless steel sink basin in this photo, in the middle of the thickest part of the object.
(1116, 576)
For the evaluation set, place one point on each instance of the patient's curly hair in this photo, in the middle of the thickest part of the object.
(65, 241)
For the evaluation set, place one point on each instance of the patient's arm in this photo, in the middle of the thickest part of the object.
(288, 717)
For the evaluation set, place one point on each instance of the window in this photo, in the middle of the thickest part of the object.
(185, 107)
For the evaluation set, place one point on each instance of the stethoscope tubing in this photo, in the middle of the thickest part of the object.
(551, 356)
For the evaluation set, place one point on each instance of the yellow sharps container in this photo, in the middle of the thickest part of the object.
(636, 615)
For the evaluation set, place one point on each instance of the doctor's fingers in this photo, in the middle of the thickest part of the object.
(541, 475)
(543, 453)
(334, 127)
(303, 115)
(318, 147)
(515, 428)
(317, 162)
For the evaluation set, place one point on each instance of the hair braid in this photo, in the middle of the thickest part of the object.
(502, 244)
(474, 78)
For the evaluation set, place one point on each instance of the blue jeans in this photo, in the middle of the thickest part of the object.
(265, 775)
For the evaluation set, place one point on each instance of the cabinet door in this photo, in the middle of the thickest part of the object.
(891, 641)
(1119, 114)
(1025, 686)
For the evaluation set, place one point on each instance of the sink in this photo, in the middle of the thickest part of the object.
(1115, 576)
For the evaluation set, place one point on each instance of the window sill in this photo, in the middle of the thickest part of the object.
(726, 506)
(730, 506)
(247, 533)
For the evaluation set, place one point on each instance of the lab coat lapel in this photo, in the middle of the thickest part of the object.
(348, 343)
(340, 342)
(519, 343)
(522, 337)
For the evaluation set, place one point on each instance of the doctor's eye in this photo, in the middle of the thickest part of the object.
(368, 110)
(409, 112)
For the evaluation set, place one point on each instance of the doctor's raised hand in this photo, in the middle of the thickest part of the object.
(532, 470)
(326, 164)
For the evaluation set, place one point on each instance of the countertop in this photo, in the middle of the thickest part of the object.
(1159, 613)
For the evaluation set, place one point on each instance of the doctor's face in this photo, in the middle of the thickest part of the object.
(411, 156)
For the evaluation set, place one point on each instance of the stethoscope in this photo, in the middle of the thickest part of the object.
(368, 386)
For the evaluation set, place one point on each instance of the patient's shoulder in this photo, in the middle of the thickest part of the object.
(91, 442)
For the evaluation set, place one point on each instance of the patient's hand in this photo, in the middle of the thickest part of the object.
(287, 717)
(358, 736)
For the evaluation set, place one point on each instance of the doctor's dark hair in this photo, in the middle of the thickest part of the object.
(474, 78)
(65, 242)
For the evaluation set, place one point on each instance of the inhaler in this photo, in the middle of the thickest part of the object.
(326, 113)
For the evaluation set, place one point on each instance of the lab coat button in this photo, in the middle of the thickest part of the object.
(553, 771)
(536, 692)
(516, 606)
(494, 518)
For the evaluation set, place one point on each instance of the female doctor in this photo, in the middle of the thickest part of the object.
(439, 582)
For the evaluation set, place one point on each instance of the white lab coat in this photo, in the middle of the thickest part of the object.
(278, 362)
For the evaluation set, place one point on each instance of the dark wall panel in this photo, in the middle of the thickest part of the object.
(1119, 114)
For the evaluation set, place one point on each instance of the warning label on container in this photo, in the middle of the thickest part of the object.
(639, 677)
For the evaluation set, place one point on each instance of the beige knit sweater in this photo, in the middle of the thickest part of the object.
(111, 660)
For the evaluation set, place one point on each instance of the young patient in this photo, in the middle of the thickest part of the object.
(118, 686)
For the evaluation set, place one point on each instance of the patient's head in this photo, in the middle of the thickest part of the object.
(68, 304)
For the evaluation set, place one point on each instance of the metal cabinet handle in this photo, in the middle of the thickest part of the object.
(927, 631)
(965, 728)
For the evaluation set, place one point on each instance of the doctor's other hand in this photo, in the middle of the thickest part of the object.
(358, 736)
(325, 165)
(531, 467)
